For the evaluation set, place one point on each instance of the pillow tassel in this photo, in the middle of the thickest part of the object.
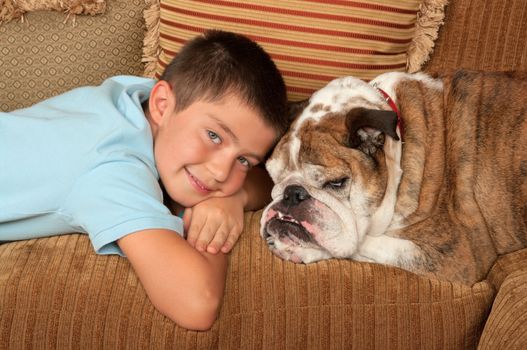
(151, 47)
(429, 19)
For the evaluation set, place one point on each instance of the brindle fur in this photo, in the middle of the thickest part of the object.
(464, 189)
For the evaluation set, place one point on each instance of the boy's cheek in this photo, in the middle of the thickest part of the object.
(235, 184)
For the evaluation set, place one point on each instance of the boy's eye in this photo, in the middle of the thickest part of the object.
(214, 137)
(244, 162)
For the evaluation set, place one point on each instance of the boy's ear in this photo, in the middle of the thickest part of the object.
(162, 101)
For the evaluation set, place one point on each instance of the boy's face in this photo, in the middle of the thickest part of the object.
(207, 149)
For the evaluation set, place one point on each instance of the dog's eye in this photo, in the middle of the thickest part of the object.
(336, 184)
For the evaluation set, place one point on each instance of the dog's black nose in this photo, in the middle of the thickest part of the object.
(295, 194)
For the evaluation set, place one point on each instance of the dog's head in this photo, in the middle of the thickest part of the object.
(330, 172)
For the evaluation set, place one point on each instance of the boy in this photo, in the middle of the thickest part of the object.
(98, 159)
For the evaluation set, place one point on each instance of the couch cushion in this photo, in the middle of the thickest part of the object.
(12, 9)
(311, 42)
(56, 291)
(488, 35)
(44, 56)
(342, 304)
(505, 327)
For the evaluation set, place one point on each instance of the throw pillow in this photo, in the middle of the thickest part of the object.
(44, 57)
(12, 9)
(312, 42)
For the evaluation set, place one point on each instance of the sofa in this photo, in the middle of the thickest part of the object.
(55, 292)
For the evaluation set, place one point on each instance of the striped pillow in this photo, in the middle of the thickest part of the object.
(311, 41)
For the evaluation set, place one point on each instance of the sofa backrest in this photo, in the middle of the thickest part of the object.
(485, 35)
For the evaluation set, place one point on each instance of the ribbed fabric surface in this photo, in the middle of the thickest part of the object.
(56, 293)
(482, 35)
(506, 327)
(312, 42)
(340, 304)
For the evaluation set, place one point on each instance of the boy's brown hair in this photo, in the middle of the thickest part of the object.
(217, 63)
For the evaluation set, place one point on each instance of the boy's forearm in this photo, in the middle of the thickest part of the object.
(182, 283)
(257, 188)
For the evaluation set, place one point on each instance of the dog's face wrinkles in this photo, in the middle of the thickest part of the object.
(324, 190)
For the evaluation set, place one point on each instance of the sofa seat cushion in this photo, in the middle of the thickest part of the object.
(505, 327)
(57, 291)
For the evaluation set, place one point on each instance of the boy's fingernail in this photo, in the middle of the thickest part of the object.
(212, 250)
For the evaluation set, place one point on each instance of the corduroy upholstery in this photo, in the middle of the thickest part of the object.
(505, 327)
(484, 35)
(61, 294)
(56, 293)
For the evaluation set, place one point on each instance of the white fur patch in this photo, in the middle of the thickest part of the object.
(275, 166)
(294, 151)
(387, 250)
(388, 81)
(381, 219)
(336, 95)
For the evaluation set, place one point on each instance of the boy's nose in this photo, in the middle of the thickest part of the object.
(220, 167)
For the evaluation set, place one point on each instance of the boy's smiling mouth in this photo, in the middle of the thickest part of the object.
(198, 185)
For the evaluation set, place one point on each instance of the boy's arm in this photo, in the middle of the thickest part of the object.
(257, 188)
(184, 284)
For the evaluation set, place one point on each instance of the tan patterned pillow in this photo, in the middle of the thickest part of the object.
(44, 57)
(12, 9)
(311, 41)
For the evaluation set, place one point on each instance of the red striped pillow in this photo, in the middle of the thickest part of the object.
(311, 41)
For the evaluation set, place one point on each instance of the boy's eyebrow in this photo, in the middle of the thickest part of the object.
(233, 135)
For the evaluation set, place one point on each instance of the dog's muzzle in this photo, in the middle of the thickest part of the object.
(288, 219)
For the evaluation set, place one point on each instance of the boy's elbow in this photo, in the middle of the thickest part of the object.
(198, 313)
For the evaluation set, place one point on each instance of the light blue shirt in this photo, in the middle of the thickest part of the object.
(82, 162)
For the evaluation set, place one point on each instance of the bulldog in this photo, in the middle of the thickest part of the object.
(425, 174)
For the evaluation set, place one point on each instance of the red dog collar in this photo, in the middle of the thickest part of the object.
(392, 104)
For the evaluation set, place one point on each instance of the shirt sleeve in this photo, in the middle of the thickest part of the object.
(118, 198)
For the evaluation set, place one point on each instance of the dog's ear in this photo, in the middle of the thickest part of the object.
(367, 128)
(294, 108)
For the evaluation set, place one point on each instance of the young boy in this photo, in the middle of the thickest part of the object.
(98, 160)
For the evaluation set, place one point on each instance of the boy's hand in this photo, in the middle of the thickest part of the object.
(214, 224)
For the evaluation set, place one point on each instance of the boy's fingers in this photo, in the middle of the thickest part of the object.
(218, 241)
(203, 239)
(196, 225)
(231, 240)
(207, 234)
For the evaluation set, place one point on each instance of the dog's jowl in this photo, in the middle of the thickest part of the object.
(425, 174)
